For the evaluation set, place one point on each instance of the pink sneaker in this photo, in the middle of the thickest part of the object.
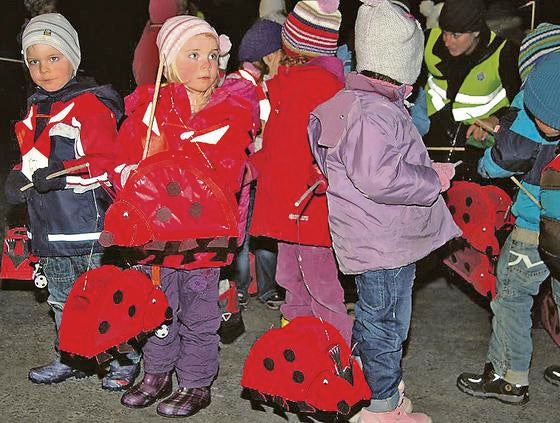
(398, 415)
(405, 404)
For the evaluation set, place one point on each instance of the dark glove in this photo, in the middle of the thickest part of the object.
(315, 175)
(14, 181)
(42, 184)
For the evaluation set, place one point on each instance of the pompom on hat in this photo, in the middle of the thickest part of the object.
(54, 30)
(388, 41)
(311, 29)
(541, 92)
(177, 30)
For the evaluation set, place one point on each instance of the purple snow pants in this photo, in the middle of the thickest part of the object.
(310, 277)
(191, 348)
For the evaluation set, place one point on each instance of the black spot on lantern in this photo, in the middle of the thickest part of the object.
(103, 327)
(298, 377)
(289, 355)
(132, 310)
(468, 201)
(343, 407)
(195, 210)
(268, 364)
(118, 297)
(452, 209)
(173, 189)
(466, 218)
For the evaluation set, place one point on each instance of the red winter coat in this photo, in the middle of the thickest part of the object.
(284, 165)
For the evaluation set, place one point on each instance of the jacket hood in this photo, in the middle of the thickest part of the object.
(395, 93)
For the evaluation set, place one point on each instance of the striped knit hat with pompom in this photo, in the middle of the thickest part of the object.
(311, 29)
(537, 44)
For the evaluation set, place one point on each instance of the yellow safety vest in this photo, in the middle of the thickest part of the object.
(481, 93)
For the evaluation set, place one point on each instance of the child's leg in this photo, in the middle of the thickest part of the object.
(383, 314)
(320, 276)
(199, 318)
(288, 276)
(160, 355)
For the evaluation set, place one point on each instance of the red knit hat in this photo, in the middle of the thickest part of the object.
(311, 29)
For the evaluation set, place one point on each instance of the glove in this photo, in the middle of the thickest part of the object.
(314, 176)
(445, 172)
(42, 184)
(14, 181)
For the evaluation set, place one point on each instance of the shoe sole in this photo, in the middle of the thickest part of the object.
(181, 415)
(506, 399)
(57, 381)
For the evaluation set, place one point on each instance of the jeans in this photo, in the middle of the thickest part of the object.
(265, 261)
(382, 322)
(520, 273)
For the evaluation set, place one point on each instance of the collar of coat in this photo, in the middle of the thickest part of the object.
(395, 93)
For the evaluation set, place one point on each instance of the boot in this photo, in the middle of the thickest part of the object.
(185, 402)
(398, 415)
(54, 372)
(552, 375)
(490, 385)
(153, 387)
(120, 377)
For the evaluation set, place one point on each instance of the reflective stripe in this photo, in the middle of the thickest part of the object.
(264, 106)
(478, 99)
(76, 237)
(437, 95)
(465, 113)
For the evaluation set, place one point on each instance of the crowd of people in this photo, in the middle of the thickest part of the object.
(332, 165)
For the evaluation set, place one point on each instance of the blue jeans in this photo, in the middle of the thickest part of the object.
(265, 261)
(383, 314)
(520, 273)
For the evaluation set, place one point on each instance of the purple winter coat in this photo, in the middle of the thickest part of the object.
(385, 207)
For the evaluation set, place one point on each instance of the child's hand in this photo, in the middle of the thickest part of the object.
(445, 172)
(42, 184)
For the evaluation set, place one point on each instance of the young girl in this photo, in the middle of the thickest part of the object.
(190, 106)
(385, 207)
(311, 75)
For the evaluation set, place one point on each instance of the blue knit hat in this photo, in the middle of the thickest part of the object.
(263, 38)
(542, 90)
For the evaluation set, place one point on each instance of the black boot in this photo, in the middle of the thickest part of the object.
(552, 375)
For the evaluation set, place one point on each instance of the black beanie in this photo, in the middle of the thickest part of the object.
(462, 16)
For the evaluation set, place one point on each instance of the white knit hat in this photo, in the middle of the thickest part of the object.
(54, 30)
(177, 30)
(273, 10)
(388, 41)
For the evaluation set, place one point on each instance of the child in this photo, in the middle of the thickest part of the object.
(311, 74)
(385, 206)
(260, 53)
(70, 122)
(190, 105)
(526, 141)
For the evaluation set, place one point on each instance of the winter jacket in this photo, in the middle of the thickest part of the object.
(385, 207)
(75, 125)
(519, 150)
(285, 165)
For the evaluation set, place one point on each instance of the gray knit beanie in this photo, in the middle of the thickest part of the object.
(54, 30)
(388, 41)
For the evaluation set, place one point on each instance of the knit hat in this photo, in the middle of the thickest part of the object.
(388, 41)
(542, 90)
(260, 40)
(537, 44)
(311, 29)
(461, 16)
(54, 30)
(177, 30)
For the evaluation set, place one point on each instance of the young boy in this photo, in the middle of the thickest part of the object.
(385, 207)
(525, 142)
(70, 122)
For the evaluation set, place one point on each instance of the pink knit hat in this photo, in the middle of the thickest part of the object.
(177, 30)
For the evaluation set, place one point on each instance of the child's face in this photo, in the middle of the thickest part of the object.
(548, 131)
(196, 63)
(48, 67)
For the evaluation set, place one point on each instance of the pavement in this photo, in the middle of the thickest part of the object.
(449, 335)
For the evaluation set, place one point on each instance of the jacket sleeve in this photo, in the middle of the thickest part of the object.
(376, 166)
(511, 154)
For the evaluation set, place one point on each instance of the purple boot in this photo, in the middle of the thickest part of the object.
(153, 387)
(185, 402)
